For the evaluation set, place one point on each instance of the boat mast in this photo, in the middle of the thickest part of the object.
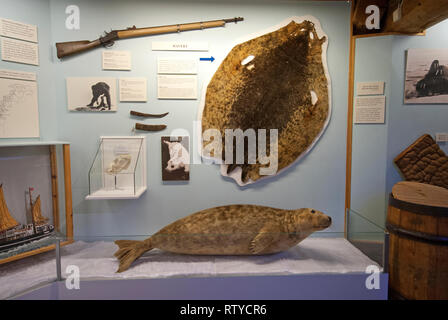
(31, 208)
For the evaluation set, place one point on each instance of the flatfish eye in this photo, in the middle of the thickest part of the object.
(313, 211)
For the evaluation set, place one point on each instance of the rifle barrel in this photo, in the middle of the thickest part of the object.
(131, 33)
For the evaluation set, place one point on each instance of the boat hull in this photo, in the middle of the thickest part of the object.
(6, 244)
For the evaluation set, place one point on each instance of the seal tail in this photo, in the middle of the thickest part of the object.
(131, 250)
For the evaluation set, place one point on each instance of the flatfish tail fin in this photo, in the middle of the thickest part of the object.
(129, 251)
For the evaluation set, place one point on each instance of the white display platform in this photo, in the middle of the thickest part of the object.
(128, 193)
(95, 260)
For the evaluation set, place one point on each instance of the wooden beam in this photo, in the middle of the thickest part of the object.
(68, 192)
(54, 186)
(384, 34)
(417, 15)
(351, 90)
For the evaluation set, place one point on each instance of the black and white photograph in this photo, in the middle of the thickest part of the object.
(175, 159)
(91, 94)
(426, 76)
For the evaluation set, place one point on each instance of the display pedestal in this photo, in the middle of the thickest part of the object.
(122, 193)
(301, 287)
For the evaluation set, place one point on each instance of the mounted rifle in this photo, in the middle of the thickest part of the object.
(65, 49)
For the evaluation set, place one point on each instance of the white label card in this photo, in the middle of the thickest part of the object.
(18, 30)
(370, 88)
(179, 46)
(20, 51)
(177, 87)
(117, 60)
(19, 75)
(19, 112)
(370, 109)
(133, 89)
(177, 66)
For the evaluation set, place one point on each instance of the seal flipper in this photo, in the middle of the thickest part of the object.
(262, 240)
(131, 250)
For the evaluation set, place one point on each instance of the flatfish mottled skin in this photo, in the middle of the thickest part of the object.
(284, 87)
(229, 230)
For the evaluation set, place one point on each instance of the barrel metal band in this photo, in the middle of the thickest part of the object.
(417, 236)
(418, 208)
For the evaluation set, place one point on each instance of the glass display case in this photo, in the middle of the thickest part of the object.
(336, 265)
(35, 198)
(119, 169)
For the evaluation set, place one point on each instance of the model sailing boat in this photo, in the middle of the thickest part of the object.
(13, 234)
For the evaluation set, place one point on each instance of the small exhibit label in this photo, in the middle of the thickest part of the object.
(177, 87)
(441, 137)
(133, 89)
(370, 109)
(177, 66)
(179, 46)
(20, 51)
(370, 88)
(18, 30)
(116, 60)
(18, 75)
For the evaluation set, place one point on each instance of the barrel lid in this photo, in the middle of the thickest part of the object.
(421, 193)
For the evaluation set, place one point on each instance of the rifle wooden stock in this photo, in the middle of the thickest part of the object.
(65, 49)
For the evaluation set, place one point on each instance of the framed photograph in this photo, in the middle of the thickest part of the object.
(175, 159)
(426, 76)
(92, 94)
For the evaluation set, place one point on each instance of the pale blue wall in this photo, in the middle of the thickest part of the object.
(319, 180)
(372, 63)
(36, 12)
(408, 122)
(375, 146)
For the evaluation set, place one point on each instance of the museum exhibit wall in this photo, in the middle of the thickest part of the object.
(376, 145)
(317, 181)
(37, 13)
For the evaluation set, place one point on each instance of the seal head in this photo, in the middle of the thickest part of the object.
(311, 220)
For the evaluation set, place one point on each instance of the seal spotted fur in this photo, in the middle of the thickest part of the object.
(229, 230)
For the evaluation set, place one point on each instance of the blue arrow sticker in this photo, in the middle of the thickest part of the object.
(211, 59)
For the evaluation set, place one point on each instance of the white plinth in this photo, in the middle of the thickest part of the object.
(104, 194)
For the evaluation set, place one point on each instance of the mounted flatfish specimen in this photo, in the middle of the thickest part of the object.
(277, 80)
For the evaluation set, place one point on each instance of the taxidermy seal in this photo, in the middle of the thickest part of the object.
(278, 80)
(229, 230)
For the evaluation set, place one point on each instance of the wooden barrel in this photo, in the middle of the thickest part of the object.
(417, 221)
